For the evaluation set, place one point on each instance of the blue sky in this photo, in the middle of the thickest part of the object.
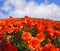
(34, 8)
(50, 1)
(38, 1)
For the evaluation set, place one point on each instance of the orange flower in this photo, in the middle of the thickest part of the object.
(57, 32)
(2, 22)
(39, 49)
(33, 43)
(40, 27)
(40, 36)
(1, 31)
(49, 47)
(29, 20)
(50, 31)
(35, 21)
(10, 24)
(18, 23)
(9, 30)
(56, 24)
(0, 27)
(26, 36)
(16, 29)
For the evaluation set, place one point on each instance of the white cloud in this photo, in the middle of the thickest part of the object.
(22, 8)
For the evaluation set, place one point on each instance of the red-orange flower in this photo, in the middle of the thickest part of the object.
(1, 27)
(17, 29)
(10, 24)
(39, 27)
(2, 22)
(50, 31)
(49, 47)
(18, 23)
(33, 43)
(26, 36)
(40, 36)
(8, 30)
(39, 49)
(1, 32)
(29, 20)
(57, 32)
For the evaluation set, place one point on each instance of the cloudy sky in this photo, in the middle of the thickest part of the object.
(34, 8)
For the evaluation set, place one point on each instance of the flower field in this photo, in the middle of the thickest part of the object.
(29, 34)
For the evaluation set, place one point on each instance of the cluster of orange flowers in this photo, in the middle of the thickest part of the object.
(10, 25)
(33, 42)
(41, 25)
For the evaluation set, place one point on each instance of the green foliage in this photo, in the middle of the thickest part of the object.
(5, 36)
(33, 31)
(46, 35)
(43, 43)
(18, 42)
(56, 41)
(22, 46)
(22, 30)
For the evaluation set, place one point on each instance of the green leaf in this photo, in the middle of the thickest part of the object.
(46, 35)
(5, 36)
(56, 41)
(21, 46)
(43, 43)
(18, 42)
(22, 30)
(33, 31)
